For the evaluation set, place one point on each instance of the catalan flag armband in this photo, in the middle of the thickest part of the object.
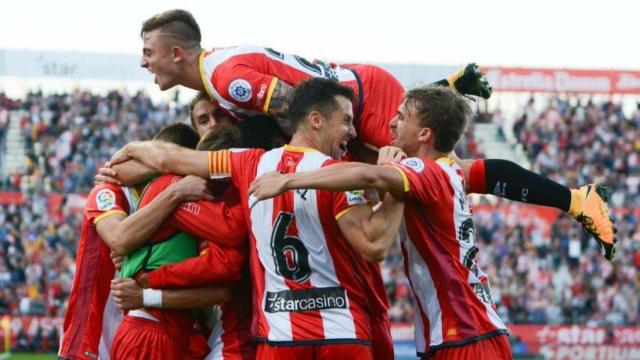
(220, 164)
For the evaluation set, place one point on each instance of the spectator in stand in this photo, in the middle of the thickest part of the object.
(582, 140)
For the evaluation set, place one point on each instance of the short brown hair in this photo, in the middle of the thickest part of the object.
(180, 134)
(179, 25)
(443, 110)
(221, 137)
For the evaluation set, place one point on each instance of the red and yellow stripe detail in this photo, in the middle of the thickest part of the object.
(405, 180)
(219, 163)
(107, 214)
(267, 102)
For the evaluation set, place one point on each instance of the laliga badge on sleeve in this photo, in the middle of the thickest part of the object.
(355, 197)
(413, 163)
(240, 90)
(106, 200)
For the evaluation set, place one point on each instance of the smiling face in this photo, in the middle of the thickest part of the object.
(337, 129)
(406, 129)
(159, 58)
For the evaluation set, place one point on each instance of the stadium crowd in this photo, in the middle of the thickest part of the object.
(556, 278)
(67, 136)
(584, 141)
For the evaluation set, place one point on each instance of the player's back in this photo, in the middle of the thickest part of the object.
(306, 283)
(438, 243)
(242, 78)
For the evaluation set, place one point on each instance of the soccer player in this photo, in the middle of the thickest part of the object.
(227, 329)
(309, 297)
(150, 332)
(160, 331)
(92, 317)
(206, 114)
(250, 80)
(454, 313)
(253, 80)
(136, 333)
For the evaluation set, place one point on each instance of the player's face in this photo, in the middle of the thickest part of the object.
(406, 129)
(206, 115)
(157, 57)
(338, 130)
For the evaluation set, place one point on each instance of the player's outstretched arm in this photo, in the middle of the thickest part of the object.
(337, 177)
(165, 158)
(128, 295)
(125, 234)
(128, 173)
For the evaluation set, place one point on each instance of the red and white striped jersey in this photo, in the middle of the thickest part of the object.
(230, 324)
(453, 304)
(305, 288)
(242, 78)
(92, 316)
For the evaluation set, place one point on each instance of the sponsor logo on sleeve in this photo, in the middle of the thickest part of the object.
(106, 200)
(240, 90)
(306, 300)
(413, 163)
(261, 94)
(355, 197)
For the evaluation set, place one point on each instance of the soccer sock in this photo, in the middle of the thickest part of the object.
(509, 180)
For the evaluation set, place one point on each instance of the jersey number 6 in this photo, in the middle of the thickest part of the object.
(290, 255)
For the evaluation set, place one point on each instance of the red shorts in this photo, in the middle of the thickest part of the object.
(332, 351)
(381, 342)
(198, 348)
(495, 348)
(382, 94)
(140, 339)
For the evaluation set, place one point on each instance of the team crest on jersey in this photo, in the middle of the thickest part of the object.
(240, 90)
(106, 200)
(414, 163)
(355, 197)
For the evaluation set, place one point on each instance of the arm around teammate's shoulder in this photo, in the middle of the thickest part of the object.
(337, 177)
(165, 158)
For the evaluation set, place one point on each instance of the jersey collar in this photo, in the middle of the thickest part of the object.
(301, 149)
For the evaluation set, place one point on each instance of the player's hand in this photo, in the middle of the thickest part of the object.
(389, 154)
(470, 81)
(121, 155)
(267, 186)
(117, 260)
(192, 188)
(126, 293)
(106, 175)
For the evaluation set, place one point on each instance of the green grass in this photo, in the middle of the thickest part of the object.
(30, 356)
